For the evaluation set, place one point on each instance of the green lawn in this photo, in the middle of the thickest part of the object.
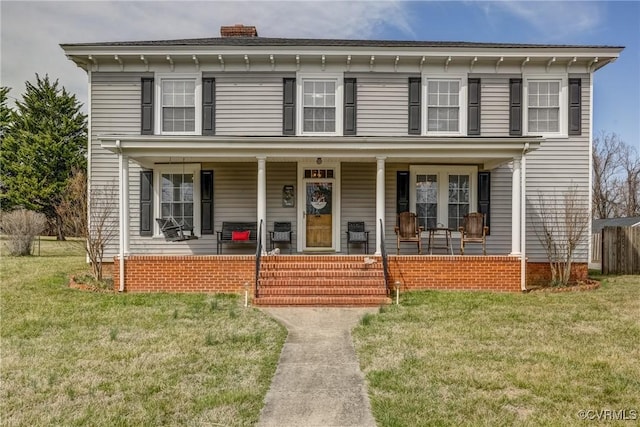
(72, 357)
(462, 358)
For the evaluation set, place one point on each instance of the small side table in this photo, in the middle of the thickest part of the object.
(440, 238)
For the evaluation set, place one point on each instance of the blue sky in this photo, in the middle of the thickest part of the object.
(31, 32)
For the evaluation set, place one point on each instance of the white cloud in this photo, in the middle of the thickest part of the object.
(555, 20)
(32, 31)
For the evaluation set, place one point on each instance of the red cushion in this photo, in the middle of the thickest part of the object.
(240, 235)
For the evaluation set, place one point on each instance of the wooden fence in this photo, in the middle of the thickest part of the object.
(621, 250)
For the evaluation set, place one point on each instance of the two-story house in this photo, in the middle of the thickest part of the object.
(319, 133)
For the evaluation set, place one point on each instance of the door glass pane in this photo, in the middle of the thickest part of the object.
(427, 200)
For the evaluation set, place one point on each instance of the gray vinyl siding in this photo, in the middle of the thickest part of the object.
(558, 165)
(115, 108)
(249, 104)
(358, 202)
(279, 175)
(382, 104)
(494, 110)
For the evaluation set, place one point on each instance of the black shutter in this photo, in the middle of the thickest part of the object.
(473, 117)
(484, 196)
(575, 107)
(206, 201)
(515, 107)
(415, 85)
(289, 106)
(208, 106)
(146, 203)
(349, 106)
(146, 102)
(402, 191)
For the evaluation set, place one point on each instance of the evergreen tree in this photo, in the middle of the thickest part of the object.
(47, 139)
(5, 112)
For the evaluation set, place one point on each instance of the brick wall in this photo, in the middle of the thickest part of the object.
(229, 273)
(206, 273)
(539, 273)
(489, 273)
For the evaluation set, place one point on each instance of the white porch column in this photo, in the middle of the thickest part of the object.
(125, 202)
(516, 200)
(123, 212)
(262, 197)
(380, 183)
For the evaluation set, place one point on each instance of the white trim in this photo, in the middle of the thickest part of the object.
(159, 77)
(185, 168)
(590, 229)
(443, 173)
(302, 202)
(338, 78)
(462, 103)
(563, 115)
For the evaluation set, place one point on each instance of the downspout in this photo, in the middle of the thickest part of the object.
(523, 216)
(121, 217)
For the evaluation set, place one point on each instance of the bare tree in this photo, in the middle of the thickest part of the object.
(563, 224)
(92, 215)
(616, 177)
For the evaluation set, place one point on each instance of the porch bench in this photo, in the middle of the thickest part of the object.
(231, 233)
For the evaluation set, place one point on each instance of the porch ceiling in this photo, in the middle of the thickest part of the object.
(486, 151)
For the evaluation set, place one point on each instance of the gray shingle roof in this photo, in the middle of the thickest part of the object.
(598, 224)
(286, 42)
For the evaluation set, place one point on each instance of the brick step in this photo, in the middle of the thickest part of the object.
(273, 274)
(323, 301)
(320, 291)
(323, 282)
(315, 266)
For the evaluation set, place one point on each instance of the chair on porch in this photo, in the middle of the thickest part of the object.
(473, 230)
(173, 231)
(281, 234)
(357, 234)
(408, 230)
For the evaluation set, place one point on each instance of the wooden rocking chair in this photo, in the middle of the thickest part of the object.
(473, 231)
(408, 230)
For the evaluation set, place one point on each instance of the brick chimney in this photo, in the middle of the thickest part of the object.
(238, 30)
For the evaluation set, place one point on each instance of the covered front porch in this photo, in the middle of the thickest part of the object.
(319, 185)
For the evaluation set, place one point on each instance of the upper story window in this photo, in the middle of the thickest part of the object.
(320, 97)
(545, 110)
(544, 106)
(179, 110)
(445, 105)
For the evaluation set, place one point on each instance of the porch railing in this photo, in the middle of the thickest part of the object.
(258, 256)
(385, 259)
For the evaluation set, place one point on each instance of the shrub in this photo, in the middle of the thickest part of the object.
(21, 226)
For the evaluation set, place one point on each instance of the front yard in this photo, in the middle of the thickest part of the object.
(459, 358)
(72, 357)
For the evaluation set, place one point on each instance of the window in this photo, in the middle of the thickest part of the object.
(544, 106)
(545, 110)
(445, 98)
(180, 105)
(319, 98)
(179, 193)
(443, 195)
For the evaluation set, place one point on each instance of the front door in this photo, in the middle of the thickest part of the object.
(319, 214)
(319, 207)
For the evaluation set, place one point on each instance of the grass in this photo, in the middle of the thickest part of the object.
(72, 357)
(460, 358)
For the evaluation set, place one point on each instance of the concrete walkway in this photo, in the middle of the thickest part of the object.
(318, 381)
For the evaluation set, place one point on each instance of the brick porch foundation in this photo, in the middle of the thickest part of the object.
(229, 273)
